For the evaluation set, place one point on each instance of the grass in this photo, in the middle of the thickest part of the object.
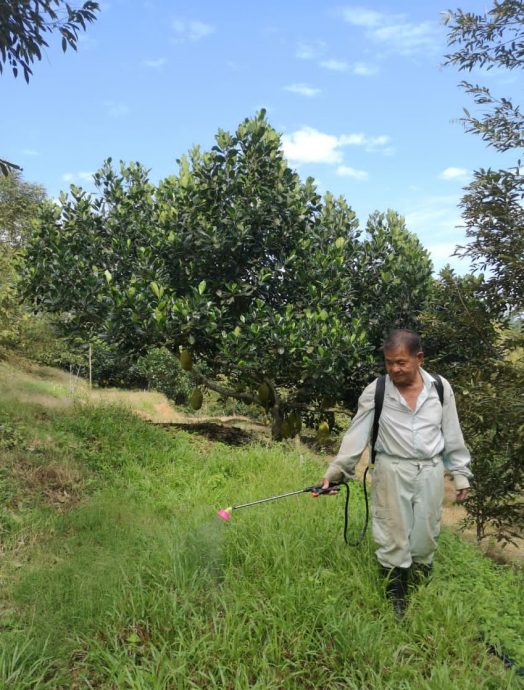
(134, 583)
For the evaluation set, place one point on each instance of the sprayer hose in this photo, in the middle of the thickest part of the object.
(346, 513)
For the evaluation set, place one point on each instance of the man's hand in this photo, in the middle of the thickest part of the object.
(461, 495)
(325, 485)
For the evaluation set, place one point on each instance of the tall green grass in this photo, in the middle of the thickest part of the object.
(140, 586)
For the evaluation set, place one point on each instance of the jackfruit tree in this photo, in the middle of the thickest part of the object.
(234, 262)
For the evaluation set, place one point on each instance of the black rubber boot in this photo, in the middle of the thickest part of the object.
(397, 588)
(421, 573)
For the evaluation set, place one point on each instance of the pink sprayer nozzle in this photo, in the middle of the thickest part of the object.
(225, 514)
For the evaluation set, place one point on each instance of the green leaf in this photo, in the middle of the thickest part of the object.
(158, 290)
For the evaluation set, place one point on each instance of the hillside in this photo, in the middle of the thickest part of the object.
(116, 572)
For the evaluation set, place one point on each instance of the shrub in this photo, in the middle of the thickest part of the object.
(161, 369)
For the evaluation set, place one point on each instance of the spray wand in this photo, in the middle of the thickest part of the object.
(225, 513)
(317, 490)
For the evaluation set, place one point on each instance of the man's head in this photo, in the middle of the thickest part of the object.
(403, 356)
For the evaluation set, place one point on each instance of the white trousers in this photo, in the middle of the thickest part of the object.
(407, 500)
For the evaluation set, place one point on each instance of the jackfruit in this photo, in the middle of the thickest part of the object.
(296, 423)
(287, 431)
(185, 360)
(323, 430)
(264, 393)
(196, 399)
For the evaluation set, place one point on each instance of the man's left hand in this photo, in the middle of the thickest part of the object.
(461, 495)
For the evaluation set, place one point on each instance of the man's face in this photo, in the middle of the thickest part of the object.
(401, 366)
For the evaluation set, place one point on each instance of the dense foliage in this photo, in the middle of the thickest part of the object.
(493, 202)
(493, 412)
(238, 262)
(466, 341)
(19, 205)
(460, 329)
(161, 369)
(488, 381)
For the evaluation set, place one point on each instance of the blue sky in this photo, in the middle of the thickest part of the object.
(356, 90)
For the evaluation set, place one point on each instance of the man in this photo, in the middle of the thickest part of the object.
(417, 438)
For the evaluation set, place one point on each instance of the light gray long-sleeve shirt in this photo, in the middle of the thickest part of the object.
(431, 429)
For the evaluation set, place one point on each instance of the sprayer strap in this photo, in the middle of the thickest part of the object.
(379, 400)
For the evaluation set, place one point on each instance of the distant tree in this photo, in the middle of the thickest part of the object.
(493, 205)
(19, 205)
(24, 25)
(234, 260)
(460, 329)
(491, 406)
(393, 277)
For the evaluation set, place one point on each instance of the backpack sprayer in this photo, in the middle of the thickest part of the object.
(317, 490)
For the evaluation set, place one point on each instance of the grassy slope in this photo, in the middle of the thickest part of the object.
(116, 573)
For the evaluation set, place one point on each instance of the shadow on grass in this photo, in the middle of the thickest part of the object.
(231, 435)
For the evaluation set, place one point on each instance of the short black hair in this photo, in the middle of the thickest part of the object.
(403, 337)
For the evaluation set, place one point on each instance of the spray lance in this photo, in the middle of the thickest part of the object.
(317, 490)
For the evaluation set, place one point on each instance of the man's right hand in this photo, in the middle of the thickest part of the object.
(324, 485)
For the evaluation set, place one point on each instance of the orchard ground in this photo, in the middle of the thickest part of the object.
(116, 572)
(60, 389)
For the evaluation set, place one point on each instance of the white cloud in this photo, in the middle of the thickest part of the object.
(454, 174)
(308, 145)
(192, 30)
(82, 176)
(442, 250)
(335, 65)
(348, 171)
(370, 143)
(408, 38)
(362, 17)
(362, 69)
(155, 64)
(115, 109)
(303, 90)
(310, 51)
(395, 31)
(30, 152)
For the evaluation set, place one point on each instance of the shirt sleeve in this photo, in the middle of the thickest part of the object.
(456, 455)
(355, 439)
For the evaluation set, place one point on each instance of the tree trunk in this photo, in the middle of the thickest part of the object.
(276, 424)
